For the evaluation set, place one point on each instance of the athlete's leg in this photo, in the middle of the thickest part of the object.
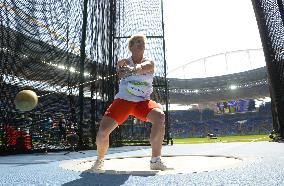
(151, 111)
(107, 125)
(115, 115)
(157, 117)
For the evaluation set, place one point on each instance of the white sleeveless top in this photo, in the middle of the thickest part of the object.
(135, 87)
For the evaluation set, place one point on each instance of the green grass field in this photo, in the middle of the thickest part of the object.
(223, 139)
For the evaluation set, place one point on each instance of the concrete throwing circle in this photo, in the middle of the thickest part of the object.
(140, 165)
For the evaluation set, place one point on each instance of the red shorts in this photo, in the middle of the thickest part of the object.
(120, 109)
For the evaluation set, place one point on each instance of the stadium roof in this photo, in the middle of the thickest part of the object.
(244, 85)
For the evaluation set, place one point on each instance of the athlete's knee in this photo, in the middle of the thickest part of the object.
(161, 117)
(107, 125)
(157, 118)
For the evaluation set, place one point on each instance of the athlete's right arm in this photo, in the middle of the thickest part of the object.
(120, 67)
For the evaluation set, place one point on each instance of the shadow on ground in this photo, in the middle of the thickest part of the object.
(100, 179)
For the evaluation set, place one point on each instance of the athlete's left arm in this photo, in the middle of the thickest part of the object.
(147, 66)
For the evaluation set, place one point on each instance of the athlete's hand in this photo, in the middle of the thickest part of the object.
(122, 63)
(125, 71)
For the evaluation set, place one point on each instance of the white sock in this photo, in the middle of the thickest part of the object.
(155, 159)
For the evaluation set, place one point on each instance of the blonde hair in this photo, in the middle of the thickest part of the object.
(135, 37)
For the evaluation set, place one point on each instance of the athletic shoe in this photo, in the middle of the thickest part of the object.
(98, 166)
(158, 165)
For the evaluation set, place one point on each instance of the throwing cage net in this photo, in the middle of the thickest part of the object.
(144, 17)
(66, 51)
(40, 51)
(270, 18)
